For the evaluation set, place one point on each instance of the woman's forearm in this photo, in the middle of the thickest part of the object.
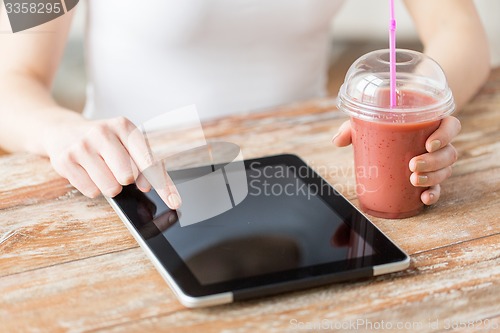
(464, 56)
(453, 35)
(27, 111)
(28, 63)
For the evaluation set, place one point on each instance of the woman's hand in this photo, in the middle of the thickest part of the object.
(429, 169)
(102, 156)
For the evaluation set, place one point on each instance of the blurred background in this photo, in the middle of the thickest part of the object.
(353, 34)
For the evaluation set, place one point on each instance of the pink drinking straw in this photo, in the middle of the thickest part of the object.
(392, 55)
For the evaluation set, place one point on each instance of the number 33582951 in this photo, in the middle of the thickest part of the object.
(33, 8)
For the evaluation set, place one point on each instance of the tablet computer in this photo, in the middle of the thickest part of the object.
(293, 230)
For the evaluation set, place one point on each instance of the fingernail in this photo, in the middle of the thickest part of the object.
(435, 145)
(174, 200)
(422, 180)
(420, 165)
(172, 218)
(416, 165)
(143, 187)
(431, 199)
(335, 136)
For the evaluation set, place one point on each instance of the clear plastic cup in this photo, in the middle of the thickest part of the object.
(385, 138)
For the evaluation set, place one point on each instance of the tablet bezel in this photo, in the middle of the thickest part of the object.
(191, 293)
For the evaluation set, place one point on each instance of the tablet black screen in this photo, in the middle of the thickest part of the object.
(284, 224)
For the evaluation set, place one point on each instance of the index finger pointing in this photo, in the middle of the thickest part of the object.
(136, 142)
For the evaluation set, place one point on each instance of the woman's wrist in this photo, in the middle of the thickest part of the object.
(52, 129)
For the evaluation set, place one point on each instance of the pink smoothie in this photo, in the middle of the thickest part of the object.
(382, 152)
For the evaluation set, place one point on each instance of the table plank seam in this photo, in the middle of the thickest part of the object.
(34, 204)
(454, 244)
(71, 261)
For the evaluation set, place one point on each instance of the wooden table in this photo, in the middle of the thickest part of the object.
(67, 263)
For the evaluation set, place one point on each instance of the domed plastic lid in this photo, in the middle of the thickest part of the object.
(421, 89)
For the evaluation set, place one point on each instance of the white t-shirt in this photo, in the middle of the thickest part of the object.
(145, 58)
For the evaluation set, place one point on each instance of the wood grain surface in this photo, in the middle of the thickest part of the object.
(68, 264)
